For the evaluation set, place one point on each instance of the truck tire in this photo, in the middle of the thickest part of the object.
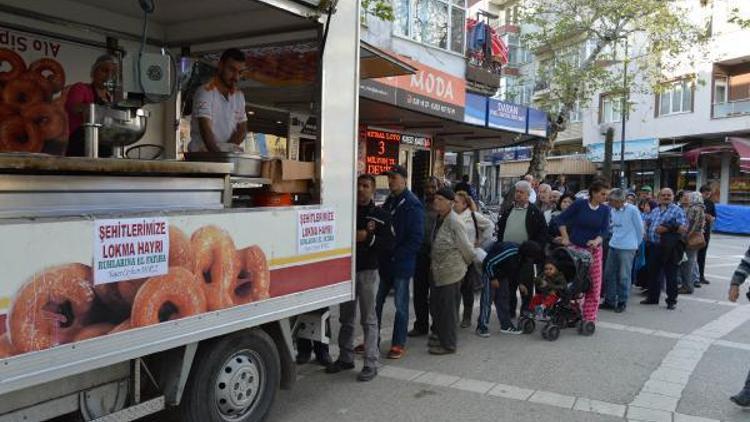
(234, 379)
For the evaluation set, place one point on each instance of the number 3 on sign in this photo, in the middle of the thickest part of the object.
(381, 148)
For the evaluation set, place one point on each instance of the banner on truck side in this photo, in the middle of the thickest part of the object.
(130, 249)
(316, 230)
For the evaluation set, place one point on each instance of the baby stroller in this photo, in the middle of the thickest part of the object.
(566, 312)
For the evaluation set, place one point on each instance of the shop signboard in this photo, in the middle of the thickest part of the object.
(382, 151)
(523, 154)
(635, 149)
(508, 116)
(475, 111)
(537, 123)
(428, 91)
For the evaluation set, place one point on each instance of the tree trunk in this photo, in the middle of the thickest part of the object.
(608, 144)
(538, 163)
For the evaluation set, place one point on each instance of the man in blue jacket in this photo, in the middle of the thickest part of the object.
(397, 267)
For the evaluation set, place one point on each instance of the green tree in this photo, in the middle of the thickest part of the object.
(382, 9)
(579, 44)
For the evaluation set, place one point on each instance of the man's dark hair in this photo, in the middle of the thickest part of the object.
(233, 54)
(465, 177)
(705, 188)
(530, 251)
(598, 186)
(368, 177)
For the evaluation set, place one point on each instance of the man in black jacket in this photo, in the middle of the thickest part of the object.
(374, 235)
(706, 191)
(519, 223)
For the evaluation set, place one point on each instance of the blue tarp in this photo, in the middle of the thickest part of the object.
(733, 219)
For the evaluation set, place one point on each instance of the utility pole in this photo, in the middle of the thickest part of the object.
(623, 114)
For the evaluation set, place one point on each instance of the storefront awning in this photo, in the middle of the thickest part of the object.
(458, 136)
(376, 63)
(567, 164)
(742, 146)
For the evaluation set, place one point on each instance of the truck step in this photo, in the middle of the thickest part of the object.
(135, 412)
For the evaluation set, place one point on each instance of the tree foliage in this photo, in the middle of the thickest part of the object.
(382, 9)
(579, 45)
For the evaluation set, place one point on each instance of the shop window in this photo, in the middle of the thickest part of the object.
(438, 23)
(610, 107)
(739, 184)
(677, 97)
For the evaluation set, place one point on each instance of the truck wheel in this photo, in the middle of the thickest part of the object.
(234, 379)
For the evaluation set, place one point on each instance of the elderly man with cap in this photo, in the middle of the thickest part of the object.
(627, 235)
(397, 267)
(219, 120)
(645, 192)
(80, 95)
(451, 253)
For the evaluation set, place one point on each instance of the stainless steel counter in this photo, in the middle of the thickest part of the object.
(41, 186)
(11, 163)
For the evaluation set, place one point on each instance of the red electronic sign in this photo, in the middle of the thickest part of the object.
(382, 151)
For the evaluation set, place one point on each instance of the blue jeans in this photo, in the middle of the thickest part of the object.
(400, 287)
(502, 303)
(617, 276)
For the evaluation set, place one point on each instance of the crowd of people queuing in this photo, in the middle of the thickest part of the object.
(451, 252)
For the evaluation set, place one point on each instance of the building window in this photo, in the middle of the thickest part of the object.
(511, 15)
(576, 115)
(677, 97)
(438, 23)
(721, 91)
(517, 54)
(610, 109)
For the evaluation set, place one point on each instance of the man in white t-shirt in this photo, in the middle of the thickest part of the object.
(219, 120)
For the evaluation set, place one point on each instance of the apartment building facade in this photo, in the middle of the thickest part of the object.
(692, 132)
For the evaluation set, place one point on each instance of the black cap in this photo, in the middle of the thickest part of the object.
(446, 193)
(397, 169)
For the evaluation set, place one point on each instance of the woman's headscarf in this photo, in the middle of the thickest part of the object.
(695, 198)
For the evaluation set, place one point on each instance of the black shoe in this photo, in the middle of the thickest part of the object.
(671, 306)
(607, 306)
(339, 366)
(649, 302)
(302, 359)
(620, 308)
(324, 360)
(367, 373)
(704, 281)
(697, 285)
(684, 291)
(740, 400)
(416, 333)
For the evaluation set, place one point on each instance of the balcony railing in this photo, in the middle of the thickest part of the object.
(731, 109)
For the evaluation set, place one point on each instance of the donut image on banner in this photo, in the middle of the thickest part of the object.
(61, 304)
(32, 113)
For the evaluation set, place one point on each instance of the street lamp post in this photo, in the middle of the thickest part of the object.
(623, 183)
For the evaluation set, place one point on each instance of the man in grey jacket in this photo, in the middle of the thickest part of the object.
(451, 253)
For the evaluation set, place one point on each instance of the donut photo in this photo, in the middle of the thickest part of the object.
(60, 304)
(32, 113)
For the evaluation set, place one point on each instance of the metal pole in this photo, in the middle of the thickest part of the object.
(623, 183)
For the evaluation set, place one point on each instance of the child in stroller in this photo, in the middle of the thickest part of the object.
(565, 312)
(549, 287)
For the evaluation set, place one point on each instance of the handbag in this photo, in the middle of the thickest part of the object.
(696, 241)
(474, 278)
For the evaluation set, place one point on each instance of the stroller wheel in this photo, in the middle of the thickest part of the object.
(528, 325)
(589, 327)
(544, 332)
(552, 331)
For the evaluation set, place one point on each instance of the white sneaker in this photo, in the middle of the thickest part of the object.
(512, 330)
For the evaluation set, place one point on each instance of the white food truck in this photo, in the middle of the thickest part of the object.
(140, 278)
